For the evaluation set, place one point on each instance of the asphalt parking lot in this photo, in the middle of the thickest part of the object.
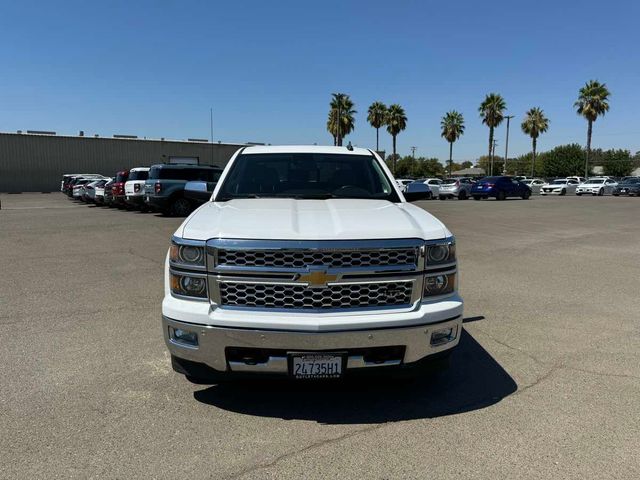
(545, 383)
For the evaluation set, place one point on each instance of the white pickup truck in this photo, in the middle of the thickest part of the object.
(308, 263)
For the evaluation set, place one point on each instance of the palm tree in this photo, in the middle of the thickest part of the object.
(534, 124)
(376, 117)
(592, 102)
(452, 125)
(396, 121)
(341, 107)
(492, 113)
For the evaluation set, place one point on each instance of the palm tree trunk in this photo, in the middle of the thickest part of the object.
(394, 154)
(533, 156)
(377, 140)
(450, 156)
(490, 150)
(586, 161)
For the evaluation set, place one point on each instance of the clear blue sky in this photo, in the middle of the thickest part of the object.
(268, 68)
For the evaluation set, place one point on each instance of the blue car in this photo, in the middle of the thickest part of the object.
(500, 188)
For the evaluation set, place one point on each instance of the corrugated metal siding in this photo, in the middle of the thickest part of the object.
(36, 163)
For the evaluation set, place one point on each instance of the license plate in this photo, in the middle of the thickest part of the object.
(316, 365)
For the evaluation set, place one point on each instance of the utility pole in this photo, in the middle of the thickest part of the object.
(413, 152)
(506, 146)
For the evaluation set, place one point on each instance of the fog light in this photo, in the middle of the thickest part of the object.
(184, 336)
(443, 335)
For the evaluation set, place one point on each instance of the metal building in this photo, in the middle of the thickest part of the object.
(35, 162)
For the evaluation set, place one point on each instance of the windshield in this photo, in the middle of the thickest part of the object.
(306, 176)
(121, 177)
(595, 180)
(139, 175)
(558, 182)
(630, 181)
(449, 181)
(527, 182)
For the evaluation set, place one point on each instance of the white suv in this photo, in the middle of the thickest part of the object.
(308, 263)
(134, 187)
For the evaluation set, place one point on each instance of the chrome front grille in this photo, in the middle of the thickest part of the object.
(360, 295)
(302, 258)
(315, 274)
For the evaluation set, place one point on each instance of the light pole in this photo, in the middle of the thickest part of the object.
(506, 146)
(413, 152)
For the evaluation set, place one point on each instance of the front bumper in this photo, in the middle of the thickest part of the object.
(588, 191)
(215, 344)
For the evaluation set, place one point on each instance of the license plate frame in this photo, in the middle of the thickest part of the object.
(309, 365)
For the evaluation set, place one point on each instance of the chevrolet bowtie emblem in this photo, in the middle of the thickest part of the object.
(317, 278)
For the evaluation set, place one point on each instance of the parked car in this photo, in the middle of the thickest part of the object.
(417, 190)
(68, 180)
(108, 192)
(559, 186)
(597, 186)
(134, 187)
(164, 189)
(630, 186)
(78, 187)
(433, 183)
(321, 271)
(99, 195)
(117, 189)
(500, 188)
(459, 188)
(91, 188)
(533, 183)
(578, 179)
(403, 182)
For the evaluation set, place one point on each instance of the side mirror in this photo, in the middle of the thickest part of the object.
(199, 191)
(413, 196)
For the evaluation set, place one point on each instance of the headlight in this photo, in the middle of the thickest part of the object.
(189, 254)
(440, 254)
(188, 285)
(439, 284)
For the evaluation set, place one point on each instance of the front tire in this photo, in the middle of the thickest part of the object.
(501, 196)
(462, 195)
(563, 192)
(526, 195)
(601, 192)
(476, 197)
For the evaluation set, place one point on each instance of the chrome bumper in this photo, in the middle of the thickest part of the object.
(213, 341)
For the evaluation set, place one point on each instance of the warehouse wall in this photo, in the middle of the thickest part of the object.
(36, 163)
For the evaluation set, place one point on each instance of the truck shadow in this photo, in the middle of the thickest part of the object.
(474, 381)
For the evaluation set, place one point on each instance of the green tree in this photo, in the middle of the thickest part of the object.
(523, 165)
(617, 163)
(376, 117)
(396, 122)
(563, 160)
(452, 125)
(593, 101)
(534, 124)
(485, 162)
(466, 164)
(406, 166)
(429, 167)
(341, 107)
(492, 113)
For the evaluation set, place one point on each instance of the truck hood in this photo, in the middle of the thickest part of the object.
(283, 218)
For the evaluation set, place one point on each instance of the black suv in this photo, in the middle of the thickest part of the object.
(164, 189)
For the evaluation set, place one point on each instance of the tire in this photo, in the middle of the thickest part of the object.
(579, 194)
(615, 194)
(526, 195)
(563, 192)
(476, 197)
(501, 196)
(601, 192)
(180, 207)
(442, 197)
(430, 196)
(462, 195)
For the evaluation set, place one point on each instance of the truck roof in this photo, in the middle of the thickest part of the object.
(304, 149)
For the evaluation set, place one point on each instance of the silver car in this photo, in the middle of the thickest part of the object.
(459, 188)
